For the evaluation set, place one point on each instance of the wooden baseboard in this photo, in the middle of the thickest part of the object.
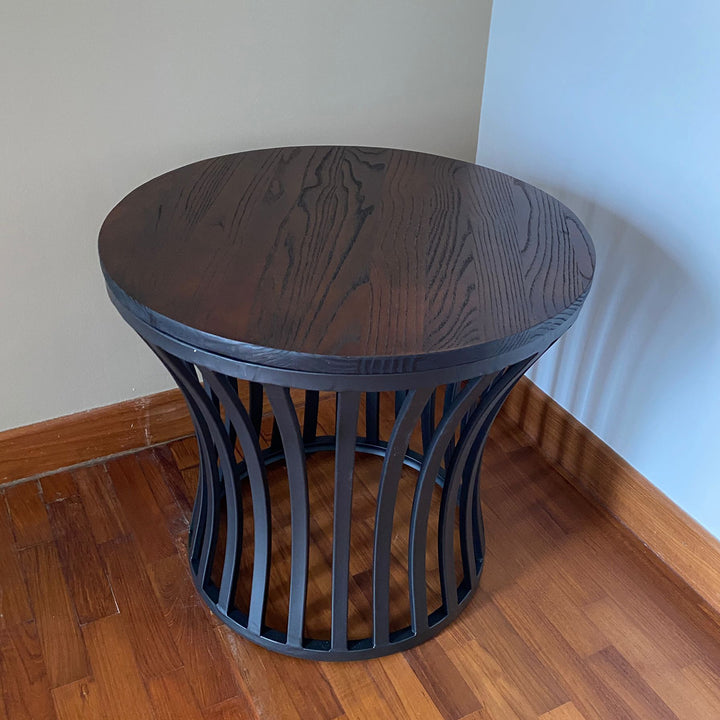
(63, 442)
(603, 476)
(73, 439)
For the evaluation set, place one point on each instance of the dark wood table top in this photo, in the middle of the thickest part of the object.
(346, 259)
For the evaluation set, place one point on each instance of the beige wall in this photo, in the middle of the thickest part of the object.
(100, 96)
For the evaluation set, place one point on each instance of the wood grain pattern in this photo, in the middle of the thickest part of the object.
(140, 509)
(81, 700)
(635, 646)
(14, 602)
(351, 259)
(285, 689)
(23, 679)
(172, 697)
(115, 670)
(147, 631)
(233, 709)
(28, 515)
(600, 473)
(84, 573)
(102, 507)
(62, 647)
(59, 486)
(446, 685)
(565, 712)
(187, 617)
(614, 670)
(63, 442)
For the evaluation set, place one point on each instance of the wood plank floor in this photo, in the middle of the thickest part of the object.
(573, 620)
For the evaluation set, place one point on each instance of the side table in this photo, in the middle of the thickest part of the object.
(362, 272)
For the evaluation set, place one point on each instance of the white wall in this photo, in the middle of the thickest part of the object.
(614, 107)
(99, 96)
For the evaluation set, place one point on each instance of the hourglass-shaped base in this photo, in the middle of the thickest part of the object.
(453, 422)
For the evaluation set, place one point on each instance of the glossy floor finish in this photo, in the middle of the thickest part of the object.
(572, 620)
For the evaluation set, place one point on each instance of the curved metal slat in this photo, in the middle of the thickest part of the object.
(250, 444)
(451, 392)
(372, 417)
(399, 397)
(200, 506)
(428, 421)
(204, 441)
(423, 496)
(310, 419)
(413, 404)
(472, 531)
(210, 409)
(255, 392)
(289, 428)
(453, 479)
(204, 544)
(348, 405)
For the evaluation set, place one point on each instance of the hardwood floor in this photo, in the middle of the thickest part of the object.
(573, 620)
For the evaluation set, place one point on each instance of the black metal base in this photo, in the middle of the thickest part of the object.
(231, 456)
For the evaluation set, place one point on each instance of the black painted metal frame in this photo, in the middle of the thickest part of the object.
(450, 459)
(452, 444)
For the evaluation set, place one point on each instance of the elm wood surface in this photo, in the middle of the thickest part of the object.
(573, 621)
(346, 260)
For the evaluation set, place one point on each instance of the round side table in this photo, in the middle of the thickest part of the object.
(264, 279)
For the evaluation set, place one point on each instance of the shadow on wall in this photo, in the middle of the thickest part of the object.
(635, 361)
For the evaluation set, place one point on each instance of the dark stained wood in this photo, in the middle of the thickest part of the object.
(353, 254)
(571, 621)
(60, 640)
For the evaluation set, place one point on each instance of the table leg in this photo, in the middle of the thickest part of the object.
(228, 417)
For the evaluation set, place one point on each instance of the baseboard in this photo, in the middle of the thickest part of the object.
(73, 439)
(602, 475)
(64, 442)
